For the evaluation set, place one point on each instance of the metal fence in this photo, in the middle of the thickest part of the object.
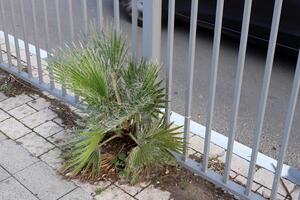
(38, 74)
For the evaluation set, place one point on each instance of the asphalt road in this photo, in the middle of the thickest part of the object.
(282, 76)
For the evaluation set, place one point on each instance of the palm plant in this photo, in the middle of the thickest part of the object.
(124, 100)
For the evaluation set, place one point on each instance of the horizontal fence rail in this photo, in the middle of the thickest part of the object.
(27, 60)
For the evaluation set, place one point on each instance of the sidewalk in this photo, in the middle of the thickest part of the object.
(30, 136)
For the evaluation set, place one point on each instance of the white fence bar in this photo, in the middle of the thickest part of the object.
(24, 30)
(13, 23)
(59, 34)
(71, 20)
(117, 16)
(36, 42)
(47, 41)
(190, 77)
(85, 17)
(100, 14)
(238, 86)
(134, 26)
(152, 29)
(170, 48)
(213, 80)
(265, 90)
(287, 129)
(7, 44)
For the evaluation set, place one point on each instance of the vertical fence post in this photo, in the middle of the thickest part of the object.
(152, 29)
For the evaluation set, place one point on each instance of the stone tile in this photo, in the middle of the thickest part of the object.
(58, 121)
(114, 193)
(3, 174)
(77, 194)
(14, 102)
(3, 115)
(196, 143)
(39, 103)
(239, 165)
(21, 111)
(44, 182)
(14, 157)
(52, 158)
(11, 189)
(266, 193)
(242, 180)
(153, 193)
(296, 193)
(2, 97)
(47, 129)
(61, 138)
(35, 144)
(13, 128)
(130, 189)
(2, 136)
(38, 118)
(91, 188)
(265, 178)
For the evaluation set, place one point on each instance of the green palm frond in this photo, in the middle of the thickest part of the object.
(83, 155)
(155, 147)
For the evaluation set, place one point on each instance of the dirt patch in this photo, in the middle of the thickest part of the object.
(12, 86)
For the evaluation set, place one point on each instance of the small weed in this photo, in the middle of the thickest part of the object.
(99, 190)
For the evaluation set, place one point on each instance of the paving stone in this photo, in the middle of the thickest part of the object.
(3, 174)
(14, 157)
(59, 121)
(61, 138)
(22, 111)
(77, 194)
(196, 143)
(265, 178)
(296, 193)
(11, 189)
(47, 129)
(266, 193)
(14, 102)
(13, 128)
(3, 115)
(44, 182)
(2, 97)
(130, 189)
(153, 193)
(2, 136)
(91, 188)
(242, 180)
(52, 158)
(35, 144)
(39, 103)
(114, 193)
(38, 118)
(239, 165)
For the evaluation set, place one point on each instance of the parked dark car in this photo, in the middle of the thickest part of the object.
(260, 24)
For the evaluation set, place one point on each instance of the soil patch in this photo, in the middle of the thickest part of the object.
(12, 86)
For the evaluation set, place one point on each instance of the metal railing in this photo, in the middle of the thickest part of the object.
(41, 76)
